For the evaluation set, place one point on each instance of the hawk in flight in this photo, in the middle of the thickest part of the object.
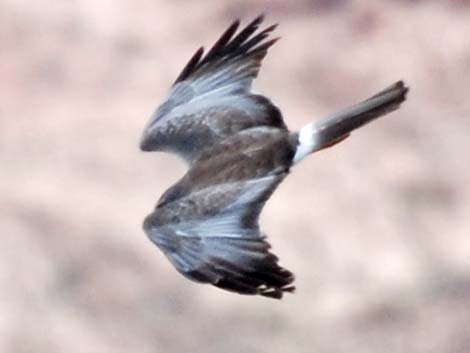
(239, 150)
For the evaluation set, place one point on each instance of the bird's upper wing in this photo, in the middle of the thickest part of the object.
(212, 235)
(211, 100)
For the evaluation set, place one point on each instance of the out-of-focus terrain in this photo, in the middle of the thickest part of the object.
(377, 229)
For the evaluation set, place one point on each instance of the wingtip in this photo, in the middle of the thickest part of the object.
(260, 18)
(235, 24)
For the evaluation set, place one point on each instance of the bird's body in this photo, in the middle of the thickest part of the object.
(239, 150)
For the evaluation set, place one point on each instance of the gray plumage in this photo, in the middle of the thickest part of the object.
(211, 99)
(239, 150)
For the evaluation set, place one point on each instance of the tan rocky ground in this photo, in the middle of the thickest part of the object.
(377, 229)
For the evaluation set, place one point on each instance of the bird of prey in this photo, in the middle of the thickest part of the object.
(239, 150)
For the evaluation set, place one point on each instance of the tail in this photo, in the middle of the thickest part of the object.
(335, 128)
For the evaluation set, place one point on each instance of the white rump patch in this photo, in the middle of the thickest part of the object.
(306, 142)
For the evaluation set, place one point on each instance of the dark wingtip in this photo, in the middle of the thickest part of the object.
(191, 65)
(231, 45)
(257, 20)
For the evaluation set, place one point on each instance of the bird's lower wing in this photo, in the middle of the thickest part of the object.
(224, 248)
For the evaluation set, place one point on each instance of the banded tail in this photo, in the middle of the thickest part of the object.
(336, 127)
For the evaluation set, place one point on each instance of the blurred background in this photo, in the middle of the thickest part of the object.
(376, 229)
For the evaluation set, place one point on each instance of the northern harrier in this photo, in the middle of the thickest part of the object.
(239, 150)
